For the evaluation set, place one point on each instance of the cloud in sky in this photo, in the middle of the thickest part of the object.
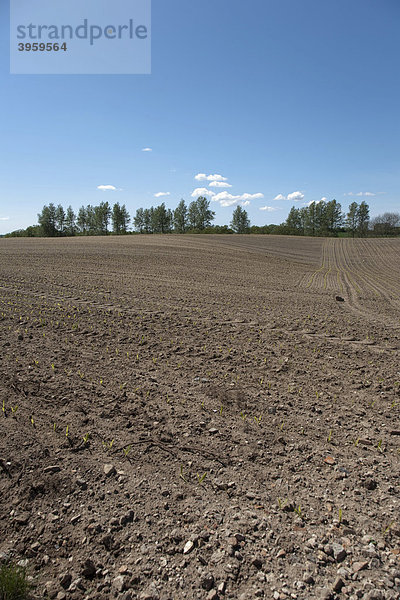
(324, 199)
(204, 177)
(147, 149)
(4, 218)
(220, 184)
(106, 188)
(269, 208)
(295, 196)
(226, 199)
(160, 194)
(360, 194)
(202, 192)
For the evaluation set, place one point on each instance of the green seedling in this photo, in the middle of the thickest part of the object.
(243, 415)
(340, 515)
(14, 409)
(32, 421)
(127, 450)
(356, 442)
(330, 435)
(380, 448)
(201, 478)
(86, 438)
(53, 367)
(181, 475)
(108, 445)
(258, 419)
(282, 503)
(4, 408)
(54, 426)
(298, 512)
(67, 431)
(386, 529)
(221, 409)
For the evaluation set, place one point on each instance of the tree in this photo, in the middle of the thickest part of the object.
(294, 222)
(70, 225)
(102, 214)
(333, 217)
(386, 224)
(240, 220)
(47, 220)
(161, 219)
(180, 217)
(138, 220)
(199, 214)
(351, 218)
(363, 219)
(120, 219)
(82, 220)
(60, 219)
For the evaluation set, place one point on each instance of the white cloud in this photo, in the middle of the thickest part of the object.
(295, 196)
(204, 177)
(269, 208)
(147, 149)
(226, 199)
(324, 199)
(220, 184)
(4, 218)
(105, 188)
(160, 194)
(246, 203)
(202, 192)
(360, 194)
(280, 197)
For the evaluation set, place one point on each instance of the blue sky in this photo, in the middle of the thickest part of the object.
(286, 101)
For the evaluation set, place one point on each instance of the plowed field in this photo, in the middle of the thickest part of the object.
(189, 417)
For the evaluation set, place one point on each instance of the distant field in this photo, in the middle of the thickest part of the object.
(215, 375)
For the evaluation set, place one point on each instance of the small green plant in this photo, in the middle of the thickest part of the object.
(4, 408)
(243, 415)
(282, 503)
(380, 448)
(386, 529)
(181, 475)
(14, 409)
(258, 419)
(298, 512)
(127, 450)
(356, 442)
(201, 478)
(108, 445)
(86, 438)
(330, 435)
(67, 431)
(13, 583)
(340, 515)
(221, 409)
(32, 420)
(54, 426)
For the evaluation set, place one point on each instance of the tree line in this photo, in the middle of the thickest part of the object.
(324, 218)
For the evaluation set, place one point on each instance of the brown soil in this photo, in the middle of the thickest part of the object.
(199, 417)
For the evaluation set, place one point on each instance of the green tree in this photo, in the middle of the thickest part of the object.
(82, 220)
(60, 219)
(47, 220)
(363, 219)
(138, 220)
(199, 214)
(102, 214)
(180, 217)
(120, 219)
(294, 222)
(240, 220)
(70, 222)
(352, 218)
(333, 217)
